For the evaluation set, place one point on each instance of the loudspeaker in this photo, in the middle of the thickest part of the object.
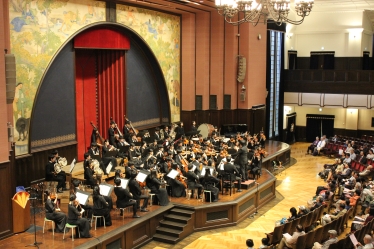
(10, 76)
(242, 67)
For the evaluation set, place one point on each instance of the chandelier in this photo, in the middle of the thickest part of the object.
(253, 11)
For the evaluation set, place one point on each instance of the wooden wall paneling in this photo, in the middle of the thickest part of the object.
(215, 119)
(228, 117)
(6, 193)
(31, 167)
(205, 217)
(187, 117)
(201, 117)
(259, 120)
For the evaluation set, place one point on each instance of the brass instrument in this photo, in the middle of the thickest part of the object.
(162, 134)
(57, 168)
(172, 132)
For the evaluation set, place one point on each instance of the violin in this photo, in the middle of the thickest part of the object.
(185, 141)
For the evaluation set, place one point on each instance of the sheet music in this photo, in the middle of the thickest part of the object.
(124, 182)
(204, 169)
(82, 197)
(72, 165)
(105, 189)
(109, 168)
(173, 173)
(141, 177)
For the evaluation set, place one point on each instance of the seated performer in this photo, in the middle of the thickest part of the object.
(75, 218)
(232, 173)
(154, 185)
(52, 213)
(210, 182)
(94, 151)
(109, 159)
(137, 192)
(124, 198)
(178, 184)
(88, 171)
(101, 207)
(193, 180)
(77, 186)
(50, 174)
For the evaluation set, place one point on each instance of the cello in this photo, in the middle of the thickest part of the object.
(98, 138)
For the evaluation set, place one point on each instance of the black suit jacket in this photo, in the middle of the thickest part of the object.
(123, 196)
(135, 189)
(49, 171)
(111, 139)
(242, 154)
(231, 169)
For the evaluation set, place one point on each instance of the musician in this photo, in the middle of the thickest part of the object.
(178, 185)
(149, 160)
(179, 131)
(137, 192)
(77, 186)
(193, 180)
(146, 135)
(133, 153)
(101, 207)
(89, 171)
(133, 139)
(242, 155)
(154, 185)
(75, 218)
(111, 133)
(262, 139)
(124, 198)
(126, 130)
(122, 142)
(144, 149)
(94, 151)
(57, 167)
(254, 164)
(210, 182)
(231, 143)
(157, 134)
(178, 158)
(166, 130)
(193, 127)
(160, 153)
(51, 176)
(109, 159)
(231, 171)
(51, 213)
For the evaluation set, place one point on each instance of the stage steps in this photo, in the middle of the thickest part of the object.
(175, 226)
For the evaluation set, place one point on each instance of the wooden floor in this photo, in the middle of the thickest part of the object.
(296, 185)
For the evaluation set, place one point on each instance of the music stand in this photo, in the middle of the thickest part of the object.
(172, 174)
(72, 165)
(35, 244)
(109, 167)
(82, 196)
(142, 175)
(106, 189)
(124, 182)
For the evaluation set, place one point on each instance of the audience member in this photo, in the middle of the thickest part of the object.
(332, 239)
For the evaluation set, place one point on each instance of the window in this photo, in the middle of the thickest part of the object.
(275, 71)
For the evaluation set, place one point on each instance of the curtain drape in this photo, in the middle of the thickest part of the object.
(111, 88)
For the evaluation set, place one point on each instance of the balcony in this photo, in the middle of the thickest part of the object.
(329, 81)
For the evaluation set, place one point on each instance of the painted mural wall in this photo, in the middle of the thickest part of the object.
(161, 31)
(38, 29)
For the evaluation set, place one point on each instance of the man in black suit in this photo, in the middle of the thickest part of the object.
(232, 172)
(51, 176)
(193, 179)
(180, 131)
(362, 158)
(137, 192)
(242, 154)
(112, 140)
(124, 198)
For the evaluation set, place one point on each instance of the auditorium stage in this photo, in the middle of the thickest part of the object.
(170, 223)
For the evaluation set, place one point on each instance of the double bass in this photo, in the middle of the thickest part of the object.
(98, 138)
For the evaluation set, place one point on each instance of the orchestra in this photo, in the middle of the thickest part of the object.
(174, 162)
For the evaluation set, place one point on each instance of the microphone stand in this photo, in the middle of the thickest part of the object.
(35, 244)
(256, 205)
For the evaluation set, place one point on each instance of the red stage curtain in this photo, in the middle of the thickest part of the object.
(111, 88)
(85, 88)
